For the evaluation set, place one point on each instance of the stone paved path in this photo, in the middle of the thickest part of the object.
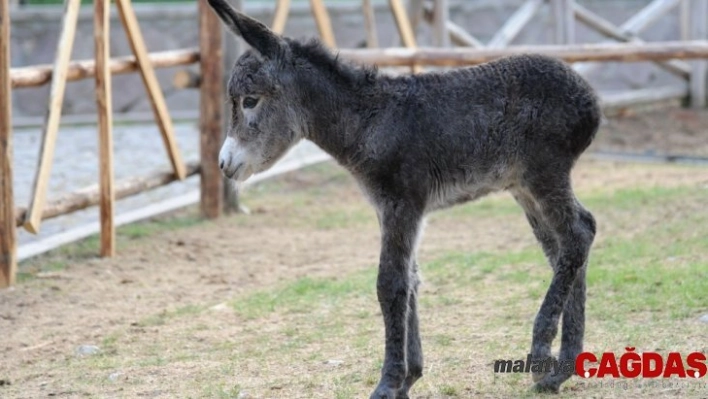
(138, 151)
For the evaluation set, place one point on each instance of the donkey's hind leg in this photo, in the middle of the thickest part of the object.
(573, 315)
(414, 349)
(546, 237)
(559, 215)
(574, 309)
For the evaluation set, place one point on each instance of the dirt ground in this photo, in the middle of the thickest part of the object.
(70, 298)
(670, 130)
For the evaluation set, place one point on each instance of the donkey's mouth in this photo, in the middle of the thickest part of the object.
(233, 173)
(240, 173)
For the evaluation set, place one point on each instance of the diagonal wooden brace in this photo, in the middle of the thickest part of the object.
(51, 122)
(157, 100)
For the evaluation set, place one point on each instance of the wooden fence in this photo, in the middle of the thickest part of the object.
(668, 55)
(102, 67)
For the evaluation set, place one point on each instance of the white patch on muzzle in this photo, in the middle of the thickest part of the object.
(234, 160)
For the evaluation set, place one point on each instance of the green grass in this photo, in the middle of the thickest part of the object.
(150, 227)
(635, 274)
(27, 273)
(164, 316)
(598, 200)
(647, 280)
(299, 295)
(643, 270)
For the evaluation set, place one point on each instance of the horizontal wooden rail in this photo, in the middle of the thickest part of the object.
(451, 57)
(41, 74)
(90, 196)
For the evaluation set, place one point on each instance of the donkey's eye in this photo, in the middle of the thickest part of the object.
(249, 102)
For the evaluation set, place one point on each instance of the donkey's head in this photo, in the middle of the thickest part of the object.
(265, 121)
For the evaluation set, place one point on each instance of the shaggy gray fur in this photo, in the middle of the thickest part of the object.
(420, 143)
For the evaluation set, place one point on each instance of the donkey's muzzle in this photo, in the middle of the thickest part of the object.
(232, 159)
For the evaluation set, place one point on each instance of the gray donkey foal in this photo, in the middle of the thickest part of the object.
(420, 143)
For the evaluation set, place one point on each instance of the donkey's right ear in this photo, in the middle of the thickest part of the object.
(262, 39)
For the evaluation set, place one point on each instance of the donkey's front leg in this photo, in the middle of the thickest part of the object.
(399, 230)
(414, 355)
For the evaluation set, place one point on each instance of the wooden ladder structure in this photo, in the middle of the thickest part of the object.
(102, 67)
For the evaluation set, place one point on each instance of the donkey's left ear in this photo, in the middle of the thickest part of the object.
(262, 39)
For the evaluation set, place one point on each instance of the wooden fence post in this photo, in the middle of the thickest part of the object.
(324, 24)
(104, 107)
(8, 232)
(372, 40)
(282, 9)
(405, 29)
(211, 100)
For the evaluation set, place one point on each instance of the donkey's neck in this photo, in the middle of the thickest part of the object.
(339, 120)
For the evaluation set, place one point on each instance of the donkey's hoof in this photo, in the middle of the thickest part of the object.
(383, 392)
(540, 375)
(546, 387)
(402, 394)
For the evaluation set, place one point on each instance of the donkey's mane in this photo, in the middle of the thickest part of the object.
(325, 61)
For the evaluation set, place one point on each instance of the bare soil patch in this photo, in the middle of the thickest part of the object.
(671, 130)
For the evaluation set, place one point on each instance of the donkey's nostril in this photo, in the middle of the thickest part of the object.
(221, 164)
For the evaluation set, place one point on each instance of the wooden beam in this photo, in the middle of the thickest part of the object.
(51, 123)
(617, 52)
(648, 15)
(211, 100)
(147, 72)
(91, 195)
(514, 24)
(404, 28)
(8, 233)
(104, 108)
(324, 25)
(39, 75)
(605, 27)
(372, 40)
(461, 37)
(635, 25)
(699, 31)
(282, 9)
(403, 24)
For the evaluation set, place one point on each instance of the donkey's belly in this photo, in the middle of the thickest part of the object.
(453, 194)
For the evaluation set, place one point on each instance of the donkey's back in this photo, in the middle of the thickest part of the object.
(530, 100)
(471, 131)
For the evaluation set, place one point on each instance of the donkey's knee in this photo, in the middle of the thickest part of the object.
(588, 221)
